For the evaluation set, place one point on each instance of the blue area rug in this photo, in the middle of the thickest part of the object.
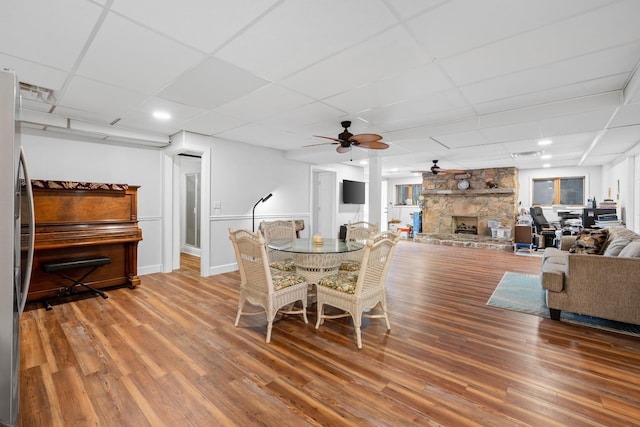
(524, 293)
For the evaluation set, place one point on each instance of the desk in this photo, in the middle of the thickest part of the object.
(315, 261)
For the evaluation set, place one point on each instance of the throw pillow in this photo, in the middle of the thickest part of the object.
(632, 250)
(590, 241)
(619, 238)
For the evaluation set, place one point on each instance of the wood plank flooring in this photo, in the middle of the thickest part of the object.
(167, 354)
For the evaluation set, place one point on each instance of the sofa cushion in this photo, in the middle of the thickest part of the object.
(619, 238)
(632, 250)
(590, 241)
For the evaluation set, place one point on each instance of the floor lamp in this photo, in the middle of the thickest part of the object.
(253, 214)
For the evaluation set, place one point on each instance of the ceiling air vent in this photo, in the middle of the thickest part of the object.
(526, 154)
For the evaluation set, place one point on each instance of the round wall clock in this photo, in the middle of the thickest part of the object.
(463, 184)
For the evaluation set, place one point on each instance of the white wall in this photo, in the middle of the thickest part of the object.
(240, 175)
(59, 158)
(593, 184)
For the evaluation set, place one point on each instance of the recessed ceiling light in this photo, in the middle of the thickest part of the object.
(545, 142)
(546, 165)
(545, 156)
(364, 162)
(161, 115)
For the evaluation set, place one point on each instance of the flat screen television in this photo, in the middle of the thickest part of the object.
(353, 192)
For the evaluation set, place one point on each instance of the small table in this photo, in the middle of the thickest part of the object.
(314, 261)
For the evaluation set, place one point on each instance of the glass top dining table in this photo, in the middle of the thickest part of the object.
(307, 246)
(315, 261)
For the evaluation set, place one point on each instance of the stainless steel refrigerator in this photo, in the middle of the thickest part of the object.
(16, 252)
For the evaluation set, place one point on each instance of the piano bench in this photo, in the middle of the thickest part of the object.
(59, 268)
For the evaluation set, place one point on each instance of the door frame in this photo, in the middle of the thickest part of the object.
(314, 199)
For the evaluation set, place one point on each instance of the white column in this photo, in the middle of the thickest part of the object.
(375, 188)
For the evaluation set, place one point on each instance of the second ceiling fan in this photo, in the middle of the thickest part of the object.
(436, 170)
(346, 140)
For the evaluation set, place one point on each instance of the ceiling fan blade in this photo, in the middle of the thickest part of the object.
(328, 137)
(451, 171)
(322, 143)
(374, 145)
(341, 149)
(365, 137)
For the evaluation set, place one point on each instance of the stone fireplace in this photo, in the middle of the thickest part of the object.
(491, 196)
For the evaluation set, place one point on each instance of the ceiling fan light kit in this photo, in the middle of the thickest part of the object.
(346, 140)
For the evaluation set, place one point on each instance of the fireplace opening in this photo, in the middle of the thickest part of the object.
(465, 225)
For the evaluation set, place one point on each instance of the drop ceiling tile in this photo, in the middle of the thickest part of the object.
(265, 136)
(408, 8)
(464, 139)
(617, 63)
(552, 96)
(514, 132)
(204, 25)
(627, 115)
(127, 55)
(211, 123)
(388, 54)
(264, 102)
(425, 80)
(312, 119)
(618, 140)
(499, 19)
(607, 101)
(573, 123)
(142, 116)
(616, 24)
(53, 36)
(90, 95)
(212, 84)
(441, 106)
(297, 34)
(35, 74)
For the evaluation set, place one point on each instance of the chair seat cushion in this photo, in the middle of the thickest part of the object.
(284, 265)
(283, 279)
(350, 265)
(343, 281)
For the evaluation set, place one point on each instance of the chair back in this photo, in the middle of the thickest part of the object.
(252, 260)
(360, 231)
(538, 218)
(394, 237)
(376, 260)
(278, 230)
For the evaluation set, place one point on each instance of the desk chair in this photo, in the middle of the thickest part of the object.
(544, 229)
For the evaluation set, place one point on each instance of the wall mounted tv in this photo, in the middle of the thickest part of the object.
(353, 192)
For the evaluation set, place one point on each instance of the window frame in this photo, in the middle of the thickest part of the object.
(413, 192)
(557, 190)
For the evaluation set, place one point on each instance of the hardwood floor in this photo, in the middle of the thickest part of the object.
(167, 354)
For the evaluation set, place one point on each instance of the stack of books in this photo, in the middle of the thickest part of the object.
(608, 220)
(607, 204)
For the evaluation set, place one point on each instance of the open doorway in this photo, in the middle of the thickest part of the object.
(190, 210)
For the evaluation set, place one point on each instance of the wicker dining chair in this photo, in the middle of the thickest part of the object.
(279, 230)
(357, 232)
(355, 293)
(262, 285)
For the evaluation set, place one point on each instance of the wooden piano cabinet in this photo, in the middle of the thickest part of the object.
(80, 221)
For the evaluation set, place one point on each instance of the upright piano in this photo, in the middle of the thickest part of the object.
(83, 220)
